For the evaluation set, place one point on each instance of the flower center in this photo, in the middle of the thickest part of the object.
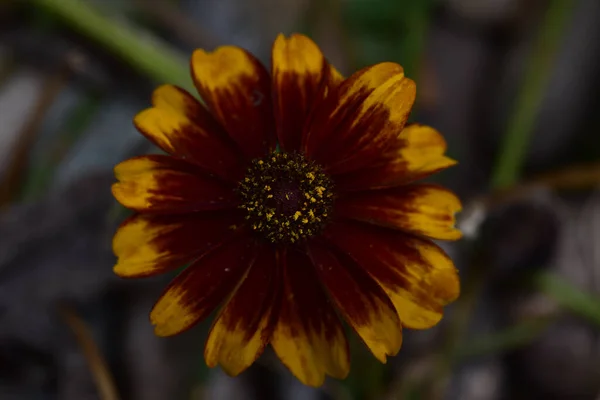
(286, 198)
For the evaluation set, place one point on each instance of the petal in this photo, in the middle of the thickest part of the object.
(298, 69)
(418, 154)
(417, 275)
(174, 98)
(244, 326)
(148, 244)
(202, 286)
(362, 302)
(335, 77)
(309, 338)
(182, 127)
(237, 89)
(158, 183)
(356, 126)
(425, 209)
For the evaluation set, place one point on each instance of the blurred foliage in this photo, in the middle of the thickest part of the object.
(521, 123)
(144, 52)
(388, 30)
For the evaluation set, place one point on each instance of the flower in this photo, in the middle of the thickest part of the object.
(291, 196)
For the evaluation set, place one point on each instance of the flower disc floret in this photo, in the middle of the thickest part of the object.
(286, 198)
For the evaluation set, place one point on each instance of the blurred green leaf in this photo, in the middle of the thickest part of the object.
(366, 380)
(570, 297)
(389, 30)
(144, 52)
(514, 146)
(504, 340)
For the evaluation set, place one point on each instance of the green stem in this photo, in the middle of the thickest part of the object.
(150, 56)
(520, 127)
(505, 340)
(570, 297)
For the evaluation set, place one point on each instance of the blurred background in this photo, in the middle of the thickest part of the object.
(512, 84)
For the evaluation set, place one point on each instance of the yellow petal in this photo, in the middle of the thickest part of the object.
(201, 287)
(309, 338)
(423, 149)
(418, 153)
(244, 326)
(237, 89)
(147, 244)
(362, 302)
(426, 209)
(173, 98)
(184, 137)
(298, 71)
(417, 275)
(158, 183)
(354, 128)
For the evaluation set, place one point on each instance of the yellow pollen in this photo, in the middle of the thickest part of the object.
(297, 215)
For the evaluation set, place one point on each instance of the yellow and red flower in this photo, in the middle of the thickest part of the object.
(291, 195)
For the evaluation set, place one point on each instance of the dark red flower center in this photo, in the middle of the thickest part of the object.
(286, 198)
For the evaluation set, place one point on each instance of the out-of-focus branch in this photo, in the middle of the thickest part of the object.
(575, 177)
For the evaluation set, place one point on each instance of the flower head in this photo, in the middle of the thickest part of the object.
(292, 195)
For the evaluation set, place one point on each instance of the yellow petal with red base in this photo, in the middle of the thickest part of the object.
(237, 89)
(417, 275)
(418, 152)
(174, 98)
(180, 126)
(158, 183)
(426, 209)
(202, 286)
(148, 244)
(335, 77)
(299, 69)
(354, 128)
(362, 302)
(244, 326)
(309, 338)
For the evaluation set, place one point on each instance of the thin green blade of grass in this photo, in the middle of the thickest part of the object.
(513, 149)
